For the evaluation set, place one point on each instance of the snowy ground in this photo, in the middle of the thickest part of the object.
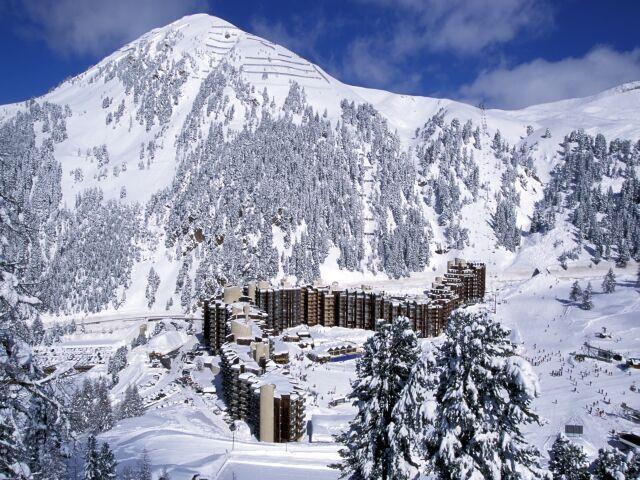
(186, 430)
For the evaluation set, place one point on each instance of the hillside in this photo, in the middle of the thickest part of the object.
(213, 156)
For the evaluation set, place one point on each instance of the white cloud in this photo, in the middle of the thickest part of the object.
(410, 30)
(464, 27)
(95, 27)
(541, 81)
(365, 64)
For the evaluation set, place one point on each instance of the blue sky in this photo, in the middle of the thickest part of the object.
(507, 53)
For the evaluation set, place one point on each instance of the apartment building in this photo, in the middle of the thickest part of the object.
(285, 306)
(256, 388)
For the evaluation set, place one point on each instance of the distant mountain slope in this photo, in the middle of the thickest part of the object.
(214, 156)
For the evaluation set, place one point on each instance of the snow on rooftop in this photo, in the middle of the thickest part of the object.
(167, 342)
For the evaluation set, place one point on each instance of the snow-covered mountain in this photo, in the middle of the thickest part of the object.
(200, 154)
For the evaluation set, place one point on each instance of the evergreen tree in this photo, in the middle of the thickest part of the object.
(412, 417)
(153, 282)
(484, 395)
(144, 471)
(623, 254)
(37, 330)
(117, 362)
(496, 143)
(164, 475)
(10, 454)
(92, 460)
(609, 282)
(609, 465)
(102, 413)
(132, 404)
(141, 339)
(129, 473)
(33, 424)
(382, 373)
(568, 461)
(185, 297)
(44, 442)
(107, 462)
(576, 292)
(586, 303)
(80, 407)
(75, 464)
(633, 465)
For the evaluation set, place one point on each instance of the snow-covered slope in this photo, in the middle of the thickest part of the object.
(165, 121)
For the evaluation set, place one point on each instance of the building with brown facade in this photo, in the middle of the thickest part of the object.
(256, 387)
(330, 306)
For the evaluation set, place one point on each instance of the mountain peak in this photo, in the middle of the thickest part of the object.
(210, 39)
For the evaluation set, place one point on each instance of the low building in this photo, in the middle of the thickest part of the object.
(334, 352)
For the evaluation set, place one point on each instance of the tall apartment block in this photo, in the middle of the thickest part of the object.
(256, 389)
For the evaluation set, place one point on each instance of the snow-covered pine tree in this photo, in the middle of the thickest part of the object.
(153, 281)
(504, 224)
(37, 331)
(107, 463)
(102, 413)
(185, 297)
(128, 473)
(568, 461)
(609, 282)
(132, 404)
(44, 442)
(117, 362)
(623, 254)
(144, 469)
(164, 475)
(609, 465)
(75, 463)
(92, 460)
(496, 143)
(484, 395)
(28, 405)
(576, 292)
(382, 373)
(633, 465)
(80, 407)
(586, 303)
(412, 417)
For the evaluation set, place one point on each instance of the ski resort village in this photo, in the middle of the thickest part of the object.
(220, 262)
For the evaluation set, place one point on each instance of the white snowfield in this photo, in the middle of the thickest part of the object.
(186, 430)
